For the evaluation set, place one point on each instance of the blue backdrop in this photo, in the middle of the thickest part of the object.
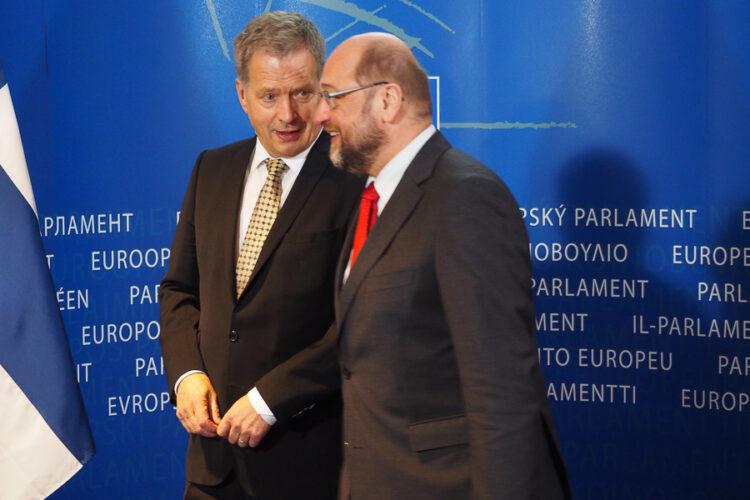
(621, 127)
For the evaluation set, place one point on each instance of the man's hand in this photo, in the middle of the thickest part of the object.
(197, 407)
(242, 424)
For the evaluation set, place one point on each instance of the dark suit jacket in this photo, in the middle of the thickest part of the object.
(442, 388)
(286, 306)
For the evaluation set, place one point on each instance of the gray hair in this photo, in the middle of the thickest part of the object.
(277, 33)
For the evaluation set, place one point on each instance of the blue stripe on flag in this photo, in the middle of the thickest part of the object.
(2, 75)
(33, 346)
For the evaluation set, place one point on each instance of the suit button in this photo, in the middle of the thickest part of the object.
(346, 373)
(234, 336)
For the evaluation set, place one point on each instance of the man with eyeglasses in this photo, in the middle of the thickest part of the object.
(250, 283)
(441, 383)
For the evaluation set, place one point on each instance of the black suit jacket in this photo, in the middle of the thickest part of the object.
(286, 306)
(442, 388)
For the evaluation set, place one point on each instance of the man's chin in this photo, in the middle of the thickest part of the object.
(339, 163)
(349, 160)
(289, 149)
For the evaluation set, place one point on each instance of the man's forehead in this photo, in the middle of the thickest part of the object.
(293, 68)
(337, 71)
(299, 54)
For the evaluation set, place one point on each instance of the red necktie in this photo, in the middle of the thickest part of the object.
(368, 214)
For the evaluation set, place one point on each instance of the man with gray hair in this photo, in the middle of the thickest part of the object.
(250, 283)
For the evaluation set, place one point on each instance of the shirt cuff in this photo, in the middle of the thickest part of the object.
(260, 406)
(177, 384)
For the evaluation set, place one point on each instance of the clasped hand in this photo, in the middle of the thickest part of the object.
(198, 411)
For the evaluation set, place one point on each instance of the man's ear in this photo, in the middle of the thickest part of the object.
(393, 101)
(241, 94)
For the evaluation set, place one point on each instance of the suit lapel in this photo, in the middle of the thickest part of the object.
(228, 213)
(385, 229)
(402, 203)
(343, 261)
(313, 168)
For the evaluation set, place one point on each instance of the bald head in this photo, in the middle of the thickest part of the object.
(384, 57)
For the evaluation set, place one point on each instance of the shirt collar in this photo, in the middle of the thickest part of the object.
(391, 174)
(294, 163)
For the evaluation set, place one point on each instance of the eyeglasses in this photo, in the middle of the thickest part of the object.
(329, 97)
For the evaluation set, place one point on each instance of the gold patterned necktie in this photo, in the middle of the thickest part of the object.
(261, 221)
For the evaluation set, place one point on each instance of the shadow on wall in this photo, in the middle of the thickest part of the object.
(600, 187)
(594, 185)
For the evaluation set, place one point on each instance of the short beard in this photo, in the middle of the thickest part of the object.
(358, 159)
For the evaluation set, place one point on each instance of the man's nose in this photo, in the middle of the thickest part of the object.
(322, 112)
(285, 110)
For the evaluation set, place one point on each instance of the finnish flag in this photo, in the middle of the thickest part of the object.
(45, 436)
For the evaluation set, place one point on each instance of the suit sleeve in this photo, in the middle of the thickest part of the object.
(313, 374)
(484, 277)
(179, 295)
(303, 380)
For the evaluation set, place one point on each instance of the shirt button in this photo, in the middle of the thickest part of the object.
(234, 336)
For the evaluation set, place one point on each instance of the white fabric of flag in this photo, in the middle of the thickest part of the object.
(45, 436)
